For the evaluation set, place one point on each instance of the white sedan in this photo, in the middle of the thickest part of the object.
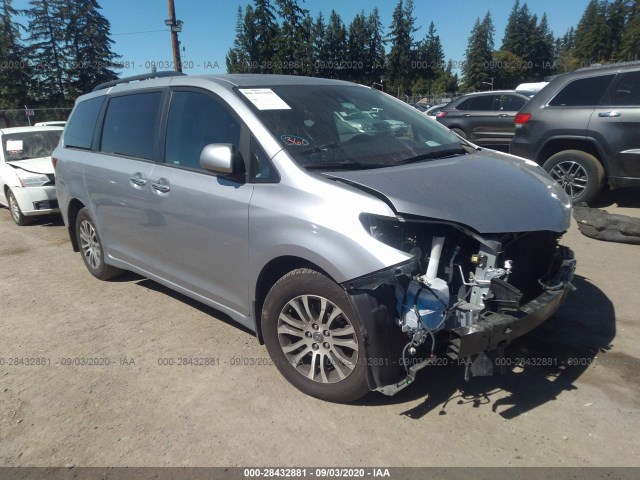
(27, 181)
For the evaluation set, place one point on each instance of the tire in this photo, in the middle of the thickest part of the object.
(91, 247)
(459, 132)
(16, 212)
(580, 174)
(321, 351)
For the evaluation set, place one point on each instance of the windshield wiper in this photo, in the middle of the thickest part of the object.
(449, 152)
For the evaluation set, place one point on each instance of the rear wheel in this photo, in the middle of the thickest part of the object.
(579, 173)
(459, 132)
(314, 336)
(91, 247)
(16, 212)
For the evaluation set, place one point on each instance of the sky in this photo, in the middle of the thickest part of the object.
(141, 37)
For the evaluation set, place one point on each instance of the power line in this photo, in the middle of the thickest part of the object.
(144, 31)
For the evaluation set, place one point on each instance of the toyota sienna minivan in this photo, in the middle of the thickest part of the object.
(357, 256)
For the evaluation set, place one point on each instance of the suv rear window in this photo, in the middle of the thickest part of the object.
(584, 92)
(79, 133)
(129, 125)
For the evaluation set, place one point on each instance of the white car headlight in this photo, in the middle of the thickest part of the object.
(28, 179)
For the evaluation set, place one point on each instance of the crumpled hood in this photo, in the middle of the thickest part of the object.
(487, 191)
(34, 165)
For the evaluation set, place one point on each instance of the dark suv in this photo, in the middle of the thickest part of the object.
(485, 118)
(583, 128)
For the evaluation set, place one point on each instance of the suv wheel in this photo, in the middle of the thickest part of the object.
(91, 247)
(579, 173)
(314, 337)
(459, 132)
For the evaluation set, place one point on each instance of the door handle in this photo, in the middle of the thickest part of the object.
(161, 186)
(466, 115)
(138, 181)
(609, 114)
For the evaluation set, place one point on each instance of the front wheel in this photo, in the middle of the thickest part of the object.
(314, 336)
(579, 173)
(16, 212)
(91, 247)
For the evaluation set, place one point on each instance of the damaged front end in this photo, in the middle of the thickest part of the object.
(461, 295)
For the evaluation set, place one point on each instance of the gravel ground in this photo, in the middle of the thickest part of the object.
(576, 403)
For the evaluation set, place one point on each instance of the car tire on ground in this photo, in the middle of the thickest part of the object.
(314, 336)
(459, 132)
(91, 248)
(579, 173)
(16, 212)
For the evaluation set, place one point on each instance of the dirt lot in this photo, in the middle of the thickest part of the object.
(578, 407)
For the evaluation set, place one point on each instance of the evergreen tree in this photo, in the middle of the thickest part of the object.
(447, 81)
(592, 34)
(87, 39)
(291, 40)
(357, 47)
(616, 22)
(249, 42)
(318, 33)
(14, 73)
(479, 54)
(429, 60)
(374, 63)
(401, 54)
(47, 27)
(630, 47)
(266, 33)
(542, 52)
(564, 59)
(236, 55)
(334, 48)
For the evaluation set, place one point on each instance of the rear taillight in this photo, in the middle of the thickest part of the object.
(441, 114)
(54, 162)
(522, 118)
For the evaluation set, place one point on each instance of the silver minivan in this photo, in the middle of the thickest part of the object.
(357, 255)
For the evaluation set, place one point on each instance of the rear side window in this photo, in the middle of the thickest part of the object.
(483, 102)
(585, 92)
(511, 103)
(79, 132)
(627, 92)
(129, 125)
(464, 105)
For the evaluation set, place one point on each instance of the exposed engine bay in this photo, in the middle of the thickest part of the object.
(476, 287)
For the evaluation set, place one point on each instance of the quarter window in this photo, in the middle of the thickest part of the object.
(585, 92)
(627, 92)
(130, 125)
(196, 120)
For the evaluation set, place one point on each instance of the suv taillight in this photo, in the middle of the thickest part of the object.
(54, 162)
(522, 118)
(441, 114)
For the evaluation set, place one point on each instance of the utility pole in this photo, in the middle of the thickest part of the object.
(176, 26)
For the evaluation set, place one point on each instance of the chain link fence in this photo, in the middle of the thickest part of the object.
(23, 117)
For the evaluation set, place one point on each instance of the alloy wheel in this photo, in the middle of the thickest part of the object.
(571, 176)
(90, 245)
(318, 339)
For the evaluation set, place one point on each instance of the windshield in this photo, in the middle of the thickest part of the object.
(21, 146)
(349, 127)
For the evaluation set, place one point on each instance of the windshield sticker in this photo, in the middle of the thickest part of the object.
(264, 99)
(294, 140)
(14, 146)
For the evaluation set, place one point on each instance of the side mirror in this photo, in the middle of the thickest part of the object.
(218, 158)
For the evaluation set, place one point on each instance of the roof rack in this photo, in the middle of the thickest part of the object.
(144, 76)
(597, 66)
